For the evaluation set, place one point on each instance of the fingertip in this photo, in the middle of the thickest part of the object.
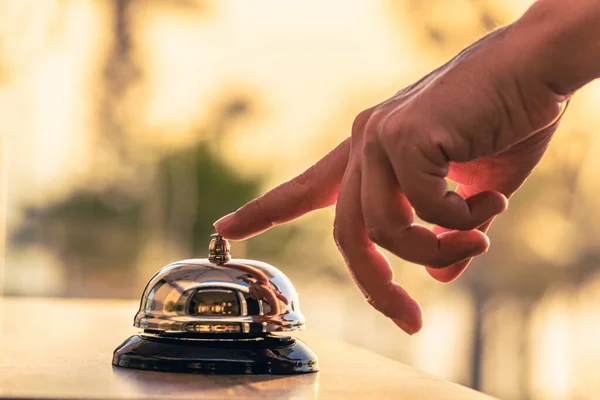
(410, 329)
(222, 222)
(456, 246)
(407, 313)
(225, 227)
(499, 202)
(504, 200)
(470, 243)
(410, 320)
(234, 227)
(452, 272)
(486, 205)
(456, 212)
(449, 274)
(466, 244)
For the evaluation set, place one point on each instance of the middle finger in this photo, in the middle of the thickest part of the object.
(368, 266)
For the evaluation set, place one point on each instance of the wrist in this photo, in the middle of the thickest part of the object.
(562, 43)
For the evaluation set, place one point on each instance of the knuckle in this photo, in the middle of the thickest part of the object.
(373, 129)
(303, 181)
(390, 125)
(338, 236)
(385, 229)
(299, 192)
(376, 304)
(309, 202)
(398, 131)
(439, 144)
(379, 234)
(360, 121)
(372, 125)
(427, 214)
(259, 207)
(257, 204)
(260, 210)
(439, 139)
(380, 299)
(342, 237)
(379, 306)
(301, 189)
(371, 145)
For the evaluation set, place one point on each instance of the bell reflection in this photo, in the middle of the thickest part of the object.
(213, 302)
(260, 288)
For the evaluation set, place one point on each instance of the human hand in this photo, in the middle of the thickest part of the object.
(483, 120)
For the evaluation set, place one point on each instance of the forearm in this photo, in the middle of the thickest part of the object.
(562, 42)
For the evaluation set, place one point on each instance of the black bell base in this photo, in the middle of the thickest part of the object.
(269, 354)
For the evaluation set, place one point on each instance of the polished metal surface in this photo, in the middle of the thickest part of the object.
(219, 295)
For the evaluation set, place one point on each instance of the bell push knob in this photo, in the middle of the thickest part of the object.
(218, 250)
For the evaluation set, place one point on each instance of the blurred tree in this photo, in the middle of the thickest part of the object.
(519, 270)
(120, 72)
(199, 188)
(97, 235)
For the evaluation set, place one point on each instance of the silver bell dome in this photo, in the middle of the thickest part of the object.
(219, 295)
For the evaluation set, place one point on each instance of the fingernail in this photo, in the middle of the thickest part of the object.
(224, 221)
(404, 326)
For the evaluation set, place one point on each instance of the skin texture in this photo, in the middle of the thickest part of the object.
(483, 120)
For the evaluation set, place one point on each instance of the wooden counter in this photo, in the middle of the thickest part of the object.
(62, 349)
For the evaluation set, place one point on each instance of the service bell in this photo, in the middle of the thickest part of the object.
(218, 315)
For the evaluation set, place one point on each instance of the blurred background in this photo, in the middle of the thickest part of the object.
(128, 126)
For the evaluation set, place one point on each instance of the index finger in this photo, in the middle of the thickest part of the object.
(315, 188)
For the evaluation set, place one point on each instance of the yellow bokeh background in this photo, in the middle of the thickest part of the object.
(94, 94)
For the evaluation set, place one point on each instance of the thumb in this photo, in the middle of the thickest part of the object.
(315, 188)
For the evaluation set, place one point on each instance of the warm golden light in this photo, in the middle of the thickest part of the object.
(119, 124)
